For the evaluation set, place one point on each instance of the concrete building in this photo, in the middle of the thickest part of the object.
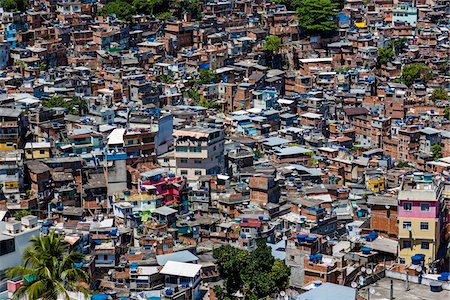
(14, 238)
(199, 151)
(419, 218)
(404, 13)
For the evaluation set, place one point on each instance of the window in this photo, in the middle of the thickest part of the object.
(424, 207)
(183, 172)
(406, 244)
(402, 260)
(407, 206)
(183, 160)
(182, 149)
(42, 151)
(166, 160)
(7, 246)
(423, 225)
(198, 173)
(425, 245)
(407, 225)
(195, 149)
(197, 161)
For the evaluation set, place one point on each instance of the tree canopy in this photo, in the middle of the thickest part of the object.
(439, 94)
(416, 73)
(74, 105)
(14, 5)
(385, 54)
(121, 9)
(316, 16)
(256, 274)
(161, 9)
(436, 149)
(272, 43)
(207, 76)
(48, 270)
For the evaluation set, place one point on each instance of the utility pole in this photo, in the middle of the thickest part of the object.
(392, 290)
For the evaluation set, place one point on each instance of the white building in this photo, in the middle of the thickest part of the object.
(199, 151)
(14, 238)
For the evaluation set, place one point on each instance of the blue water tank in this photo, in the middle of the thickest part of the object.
(301, 238)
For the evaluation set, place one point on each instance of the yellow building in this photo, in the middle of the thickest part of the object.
(376, 184)
(418, 236)
(375, 181)
(37, 150)
(419, 227)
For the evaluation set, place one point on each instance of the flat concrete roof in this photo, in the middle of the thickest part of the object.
(382, 287)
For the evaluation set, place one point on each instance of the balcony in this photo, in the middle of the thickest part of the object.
(10, 124)
(10, 136)
(105, 263)
(116, 156)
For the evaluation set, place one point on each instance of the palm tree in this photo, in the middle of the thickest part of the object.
(80, 104)
(48, 270)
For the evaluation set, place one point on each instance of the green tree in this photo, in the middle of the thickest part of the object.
(150, 7)
(20, 214)
(385, 54)
(436, 149)
(56, 101)
(230, 263)
(207, 76)
(78, 106)
(316, 16)
(403, 164)
(42, 66)
(22, 5)
(9, 5)
(447, 113)
(272, 43)
(257, 153)
(287, 3)
(399, 44)
(256, 274)
(122, 9)
(165, 78)
(416, 72)
(439, 94)
(181, 6)
(193, 94)
(48, 270)
(21, 64)
(74, 105)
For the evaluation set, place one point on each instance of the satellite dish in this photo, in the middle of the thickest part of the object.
(363, 269)
(419, 269)
(354, 285)
(282, 293)
(369, 271)
(372, 291)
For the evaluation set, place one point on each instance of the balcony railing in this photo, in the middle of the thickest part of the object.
(10, 136)
(8, 124)
(104, 263)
